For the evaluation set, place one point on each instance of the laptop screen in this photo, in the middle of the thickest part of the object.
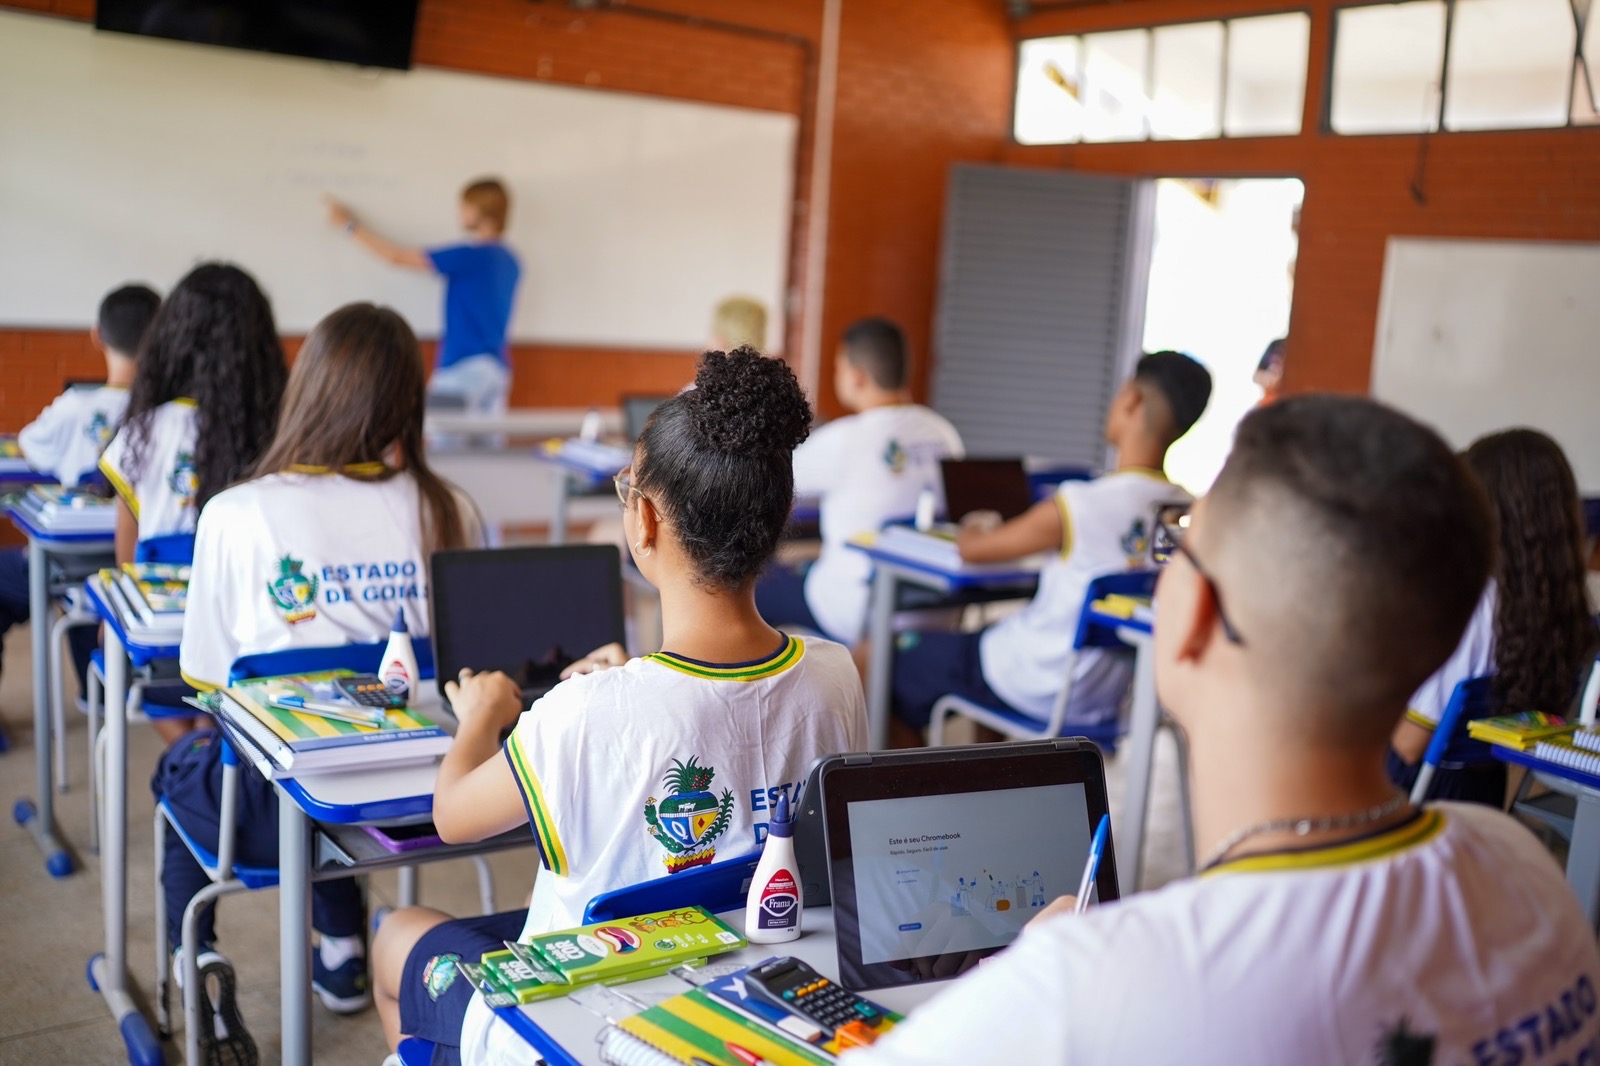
(985, 485)
(530, 612)
(636, 411)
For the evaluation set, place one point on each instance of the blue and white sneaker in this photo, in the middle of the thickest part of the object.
(224, 1041)
(343, 989)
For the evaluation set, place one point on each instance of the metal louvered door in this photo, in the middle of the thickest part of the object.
(1041, 307)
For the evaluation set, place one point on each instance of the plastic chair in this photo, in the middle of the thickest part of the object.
(1450, 748)
(719, 886)
(415, 1052)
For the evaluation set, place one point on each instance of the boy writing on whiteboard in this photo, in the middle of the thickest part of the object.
(480, 286)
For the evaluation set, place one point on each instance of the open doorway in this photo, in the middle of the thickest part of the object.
(1221, 282)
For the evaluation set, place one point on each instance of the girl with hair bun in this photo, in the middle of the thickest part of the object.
(634, 769)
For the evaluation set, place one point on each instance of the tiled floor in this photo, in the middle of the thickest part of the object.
(49, 928)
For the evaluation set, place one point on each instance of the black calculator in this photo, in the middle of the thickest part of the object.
(796, 987)
(369, 691)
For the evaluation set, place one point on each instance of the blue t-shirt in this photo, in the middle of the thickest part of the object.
(480, 284)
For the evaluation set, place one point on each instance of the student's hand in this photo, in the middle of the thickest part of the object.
(338, 214)
(492, 696)
(1058, 906)
(981, 522)
(605, 658)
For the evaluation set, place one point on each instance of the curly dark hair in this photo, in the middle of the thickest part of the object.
(718, 461)
(214, 341)
(1544, 630)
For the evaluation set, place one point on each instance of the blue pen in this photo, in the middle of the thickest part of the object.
(1097, 848)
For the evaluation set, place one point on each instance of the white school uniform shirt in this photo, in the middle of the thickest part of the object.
(1473, 657)
(866, 469)
(66, 440)
(1456, 928)
(161, 493)
(1106, 526)
(304, 560)
(662, 765)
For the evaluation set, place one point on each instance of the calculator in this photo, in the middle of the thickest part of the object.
(796, 987)
(369, 691)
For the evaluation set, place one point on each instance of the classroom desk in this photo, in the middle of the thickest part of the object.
(77, 554)
(563, 1032)
(14, 469)
(1583, 857)
(889, 572)
(577, 468)
(339, 798)
(108, 971)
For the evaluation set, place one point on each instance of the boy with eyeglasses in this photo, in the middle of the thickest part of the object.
(1331, 922)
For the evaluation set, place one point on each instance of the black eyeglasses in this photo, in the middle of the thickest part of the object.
(1172, 528)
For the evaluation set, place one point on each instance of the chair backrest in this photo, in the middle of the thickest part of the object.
(1140, 583)
(363, 658)
(1471, 699)
(720, 886)
(176, 548)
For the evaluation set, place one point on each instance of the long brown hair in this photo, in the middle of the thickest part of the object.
(356, 390)
(1544, 629)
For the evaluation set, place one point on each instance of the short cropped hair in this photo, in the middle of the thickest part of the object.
(489, 196)
(1358, 544)
(877, 346)
(1181, 382)
(125, 316)
(741, 322)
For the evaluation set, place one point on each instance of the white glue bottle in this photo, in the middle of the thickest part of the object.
(772, 909)
(398, 670)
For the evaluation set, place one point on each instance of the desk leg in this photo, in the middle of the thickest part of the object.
(39, 813)
(880, 659)
(1583, 859)
(558, 513)
(294, 930)
(1144, 717)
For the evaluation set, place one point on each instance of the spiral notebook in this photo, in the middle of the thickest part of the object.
(1578, 751)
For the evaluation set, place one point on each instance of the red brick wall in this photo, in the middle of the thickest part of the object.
(922, 84)
(1526, 185)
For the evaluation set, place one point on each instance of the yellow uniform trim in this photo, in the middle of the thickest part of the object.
(1145, 471)
(123, 489)
(196, 683)
(186, 401)
(1416, 717)
(549, 841)
(370, 469)
(1424, 827)
(1066, 524)
(792, 652)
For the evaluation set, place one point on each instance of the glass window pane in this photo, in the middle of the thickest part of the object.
(1510, 61)
(1266, 74)
(1187, 100)
(1114, 100)
(1386, 66)
(1586, 88)
(1049, 89)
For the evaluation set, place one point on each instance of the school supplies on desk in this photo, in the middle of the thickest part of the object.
(1117, 605)
(156, 592)
(9, 448)
(300, 741)
(1520, 731)
(937, 548)
(1563, 752)
(63, 510)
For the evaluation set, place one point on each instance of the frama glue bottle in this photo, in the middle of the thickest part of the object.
(772, 909)
(399, 667)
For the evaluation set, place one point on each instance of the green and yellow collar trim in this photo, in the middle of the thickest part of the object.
(789, 652)
(1419, 829)
(368, 470)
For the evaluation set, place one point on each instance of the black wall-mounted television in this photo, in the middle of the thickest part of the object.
(371, 33)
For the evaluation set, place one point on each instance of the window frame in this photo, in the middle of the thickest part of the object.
(1577, 60)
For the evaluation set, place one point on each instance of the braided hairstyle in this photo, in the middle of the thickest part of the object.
(213, 341)
(718, 461)
(1544, 630)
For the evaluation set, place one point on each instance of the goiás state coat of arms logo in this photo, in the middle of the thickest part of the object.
(184, 481)
(294, 592)
(690, 819)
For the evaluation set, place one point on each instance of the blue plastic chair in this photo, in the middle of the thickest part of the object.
(175, 548)
(718, 886)
(415, 1052)
(363, 658)
(1450, 748)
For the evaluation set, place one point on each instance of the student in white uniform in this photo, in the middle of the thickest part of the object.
(66, 440)
(1330, 570)
(1533, 628)
(202, 407)
(723, 720)
(865, 469)
(1092, 528)
(327, 539)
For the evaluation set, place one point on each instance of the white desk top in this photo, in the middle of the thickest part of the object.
(521, 422)
(576, 1028)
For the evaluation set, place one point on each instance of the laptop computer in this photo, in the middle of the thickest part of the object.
(530, 612)
(636, 411)
(985, 485)
(938, 857)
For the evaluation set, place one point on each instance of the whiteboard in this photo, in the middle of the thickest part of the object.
(1478, 336)
(127, 158)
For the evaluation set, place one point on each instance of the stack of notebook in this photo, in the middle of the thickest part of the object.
(62, 510)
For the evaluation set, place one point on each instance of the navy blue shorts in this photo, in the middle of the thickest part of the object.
(433, 994)
(930, 666)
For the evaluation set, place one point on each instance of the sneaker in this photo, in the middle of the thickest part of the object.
(225, 1041)
(343, 990)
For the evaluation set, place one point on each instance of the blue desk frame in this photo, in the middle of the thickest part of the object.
(1583, 858)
